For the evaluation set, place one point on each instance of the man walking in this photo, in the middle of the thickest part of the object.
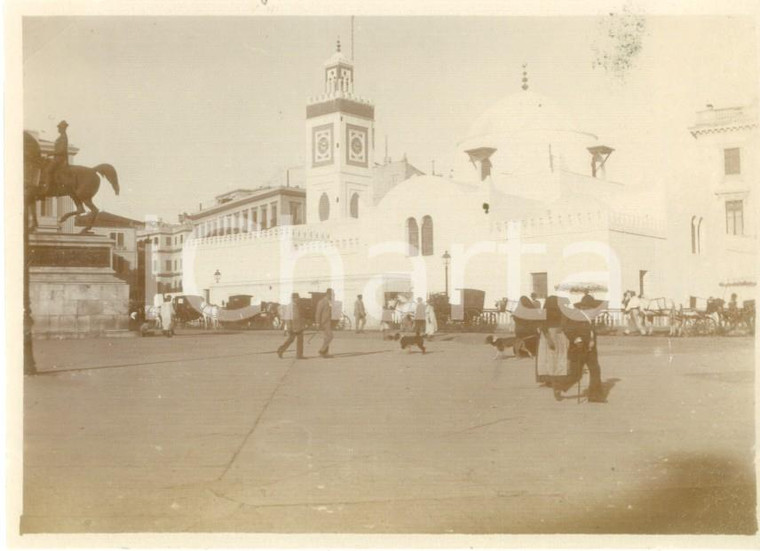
(360, 314)
(323, 318)
(581, 334)
(295, 328)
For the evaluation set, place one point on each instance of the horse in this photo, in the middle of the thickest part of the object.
(402, 312)
(210, 315)
(81, 183)
(32, 167)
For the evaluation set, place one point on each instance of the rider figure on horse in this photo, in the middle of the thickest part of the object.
(60, 159)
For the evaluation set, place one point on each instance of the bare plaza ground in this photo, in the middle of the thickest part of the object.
(211, 432)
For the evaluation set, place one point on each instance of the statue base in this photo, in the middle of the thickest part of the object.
(72, 286)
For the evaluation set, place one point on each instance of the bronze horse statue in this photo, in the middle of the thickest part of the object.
(81, 183)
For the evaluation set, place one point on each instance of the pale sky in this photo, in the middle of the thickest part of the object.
(186, 108)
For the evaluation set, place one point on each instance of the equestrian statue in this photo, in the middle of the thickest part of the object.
(59, 179)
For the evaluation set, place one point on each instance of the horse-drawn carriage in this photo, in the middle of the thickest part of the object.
(399, 309)
(702, 318)
(733, 318)
(469, 313)
(308, 308)
(656, 311)
(188, 309)
(241, 313)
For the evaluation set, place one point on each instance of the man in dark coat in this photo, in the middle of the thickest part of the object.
(323, 319)
(582, 350)
(295, 328)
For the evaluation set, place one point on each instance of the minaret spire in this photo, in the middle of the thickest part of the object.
(525, 77)
(338, 48)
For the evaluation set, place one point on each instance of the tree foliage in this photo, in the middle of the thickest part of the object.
(619, 41)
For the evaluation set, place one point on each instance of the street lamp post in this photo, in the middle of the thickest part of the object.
(446, 260)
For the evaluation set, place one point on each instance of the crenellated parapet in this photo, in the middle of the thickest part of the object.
(347, 245)
(580, 222)
(338, 94)
(300, 237)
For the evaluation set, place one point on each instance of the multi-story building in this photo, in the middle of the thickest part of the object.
(251, 210)
(160, 244)
(713, 209)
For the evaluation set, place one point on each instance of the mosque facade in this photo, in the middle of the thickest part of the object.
(527, 208)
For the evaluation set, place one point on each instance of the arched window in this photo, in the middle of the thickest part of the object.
(324, 207)
(427, 236)
(413, 236)
(700, 235)
(355, 205)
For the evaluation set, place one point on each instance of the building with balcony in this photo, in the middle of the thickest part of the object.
(160, 246)
(250, 210)
(712, 209)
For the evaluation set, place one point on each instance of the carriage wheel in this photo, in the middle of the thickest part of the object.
(472, 317)
(709, 327)
(705, 327)
(343, 323)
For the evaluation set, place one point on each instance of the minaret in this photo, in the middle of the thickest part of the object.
(340, 146)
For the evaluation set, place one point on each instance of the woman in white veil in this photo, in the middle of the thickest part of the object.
(431, 323)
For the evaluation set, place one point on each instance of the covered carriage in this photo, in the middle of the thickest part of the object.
(308, 308)
(241, 312)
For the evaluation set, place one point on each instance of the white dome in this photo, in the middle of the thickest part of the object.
(529, 133)
(518, 113)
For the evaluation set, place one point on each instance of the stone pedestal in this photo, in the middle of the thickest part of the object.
(72, 286)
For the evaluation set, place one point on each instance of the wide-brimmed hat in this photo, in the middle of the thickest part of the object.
(63, 124)
(587, 302)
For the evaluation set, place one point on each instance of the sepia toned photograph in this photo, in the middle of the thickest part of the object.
(386, 273)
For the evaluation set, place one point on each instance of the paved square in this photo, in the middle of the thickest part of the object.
(210, 431)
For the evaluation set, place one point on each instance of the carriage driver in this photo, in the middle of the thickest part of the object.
(60, 158)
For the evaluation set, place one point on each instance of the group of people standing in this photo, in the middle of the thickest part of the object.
(563, 341)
